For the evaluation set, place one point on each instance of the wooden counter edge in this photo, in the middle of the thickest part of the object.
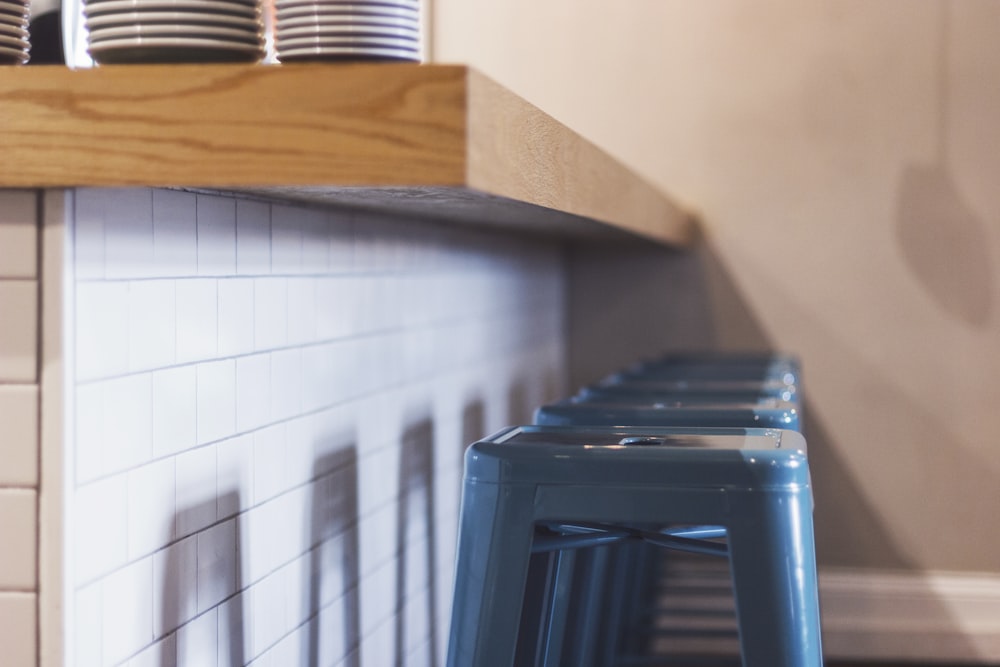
(313, 125)
(518, 151)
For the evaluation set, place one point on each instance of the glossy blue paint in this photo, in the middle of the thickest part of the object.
(767, 413)
(754, 483)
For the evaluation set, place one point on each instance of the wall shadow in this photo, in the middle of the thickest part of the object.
(553, 385)
(209, 561)
(944, 241)
(713, 313)
(416, 486)
(945, 244)
(473, 429)
(848, 528)
(626, 302)
(334, 556)
(520, 408)
(865, 435)
(538, 386)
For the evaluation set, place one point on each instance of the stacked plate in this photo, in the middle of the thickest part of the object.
(162, 31)
(14, 44)
(347, 30)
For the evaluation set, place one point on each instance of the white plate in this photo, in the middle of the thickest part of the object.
(175, 18)
(145, 4)
(173, 49)
(348, 41)
(342, 53)
(14, 42)
(372, 5)
(295, 7)
(13, 17)
(166, 30)
(176, 43)
(346, 19)
(13, 30)
(8, 55)
(285, 32)
(235, 7)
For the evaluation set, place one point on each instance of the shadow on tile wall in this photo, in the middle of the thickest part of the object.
(201, 571)
(416, 495)
(473, 428)
(334, 566)
(519, 404)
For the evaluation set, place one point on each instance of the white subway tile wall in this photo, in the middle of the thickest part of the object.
(271, 405)
(19, 431)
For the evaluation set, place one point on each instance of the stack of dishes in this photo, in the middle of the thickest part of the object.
(347, 30)
(14, 44)
(162, 31)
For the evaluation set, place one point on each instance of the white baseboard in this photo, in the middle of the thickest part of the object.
(934, 617)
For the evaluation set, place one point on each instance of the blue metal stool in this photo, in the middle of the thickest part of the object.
(608, 587)
(758, 370)
(631, 485)
(750, 375)
(707, 390)
(766, 413)
(646, 392)
(775, 388)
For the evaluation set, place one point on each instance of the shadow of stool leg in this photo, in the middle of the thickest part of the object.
(416, 483)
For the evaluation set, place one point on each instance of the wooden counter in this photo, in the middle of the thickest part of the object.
(435, 141)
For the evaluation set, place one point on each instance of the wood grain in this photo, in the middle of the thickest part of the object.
(518, 151)
(232, 125)
(442, 138)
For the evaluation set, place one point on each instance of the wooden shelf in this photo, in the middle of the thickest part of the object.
(436, 141)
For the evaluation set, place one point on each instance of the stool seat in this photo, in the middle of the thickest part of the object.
(765, 413)
(776, 388)
(781, 370)
(754, 483)
(630, 393)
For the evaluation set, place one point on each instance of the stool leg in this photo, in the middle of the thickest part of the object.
(593, 564)
(623, 562)
(643, 588)
(538, 591)
(555, 631)
(773, 562)
(494, 547)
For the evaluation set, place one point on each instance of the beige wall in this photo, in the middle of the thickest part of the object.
(19, 428)
(844, 156)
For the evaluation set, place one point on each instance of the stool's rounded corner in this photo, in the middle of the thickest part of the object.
(484, 460)
(793, 440)
(784, 467)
